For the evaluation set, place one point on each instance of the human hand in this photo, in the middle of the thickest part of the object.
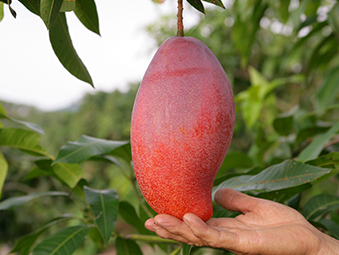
(264, 227)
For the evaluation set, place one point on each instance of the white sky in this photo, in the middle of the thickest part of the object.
(30, 73)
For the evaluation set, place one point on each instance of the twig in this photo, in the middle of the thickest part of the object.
(180, 24)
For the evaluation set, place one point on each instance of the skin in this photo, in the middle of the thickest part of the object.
(263, 228)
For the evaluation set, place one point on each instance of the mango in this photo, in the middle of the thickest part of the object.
(182, 125)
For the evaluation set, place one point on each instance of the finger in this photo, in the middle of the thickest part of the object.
(235, 201)
(208, 235)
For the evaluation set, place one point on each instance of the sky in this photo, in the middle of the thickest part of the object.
(30, 73)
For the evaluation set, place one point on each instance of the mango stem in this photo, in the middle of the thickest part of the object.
(180, 31)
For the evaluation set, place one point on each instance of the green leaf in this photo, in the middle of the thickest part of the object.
(284, 125)
(319, 205)
(49, 10)
(328, 92)
(64, 242)
(68, 5)
(317, 145)
(283, 10)
(1, 11)
(32, 5)
(16, 201)
(22, 139)
(24, 244)
(32, 126)
(329, 160)
(3, 171)
(216, 2)
(197, 4)
(127, 247)
(64, 50)
(186, 249)
(331, 226)
(86, 12)
(104, 205)
(84, 148)
(129, 214)
(333, 19)
(69, 173)
(288, 174)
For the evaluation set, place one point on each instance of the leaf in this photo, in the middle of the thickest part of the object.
(329, 160)
(84, 148)
(127, 247)
(32, 126)
(284, 125)
(16, 201)
(186, 249)
(64, 242)
(86, 12)
(1, 11)
(197, 4)
(32, 5)
(104, 205)
(68, 5)
(288, 174)
(24, 244)
(64, 50)
(317, 145)
(49, 10)
(3, 171)
(331, 226)
(319, 205)
(129, 214)
(69, 173)
(22, 139)
(216, 2)
(283, 10)
(328, 92)
(333, 19)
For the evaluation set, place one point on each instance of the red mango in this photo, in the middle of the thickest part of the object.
(182, 125)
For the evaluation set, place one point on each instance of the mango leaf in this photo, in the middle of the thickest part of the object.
(104, 205)
(128, 213)
(317, 145)
(216, 2)
(35, 127)
(288, 174)
(86, 12)
(312, 7)
(68, 5)
(197, 4)
(328, 92)
(64, 242)
(1, 11)
(283, 10)
(22, 139)
(64, 50)
(127, 247)
(24, 244)
(49, 10)
(32, 5)
(69, 173)
(330, 160)
(16, 201)
(186, 249)
(3, 171)
(331, 226)
(84, 148)
(319, 205)
(333, 19)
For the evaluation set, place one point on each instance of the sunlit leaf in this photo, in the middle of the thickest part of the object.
(288, 174)
(68, 173)
(64, 242)
(104, 205)
(319, 205)
(86, 12)
(1, 11)
(64, 50)
(127, 247)
(84, 148)
(22, 139)
(16, 201)
(32, 5)
(197, 4)
(25, 243)
(317, 145)
(49, 10)
(68, 5)
(3, 171)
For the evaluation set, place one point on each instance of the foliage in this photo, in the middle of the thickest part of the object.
(282, 60)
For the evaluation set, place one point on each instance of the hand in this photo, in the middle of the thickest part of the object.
(264, 227)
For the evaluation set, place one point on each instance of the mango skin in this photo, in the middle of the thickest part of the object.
(182, 125)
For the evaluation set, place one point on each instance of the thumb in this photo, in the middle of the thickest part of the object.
(235, 201)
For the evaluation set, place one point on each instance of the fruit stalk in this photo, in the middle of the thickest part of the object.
(180, 24)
